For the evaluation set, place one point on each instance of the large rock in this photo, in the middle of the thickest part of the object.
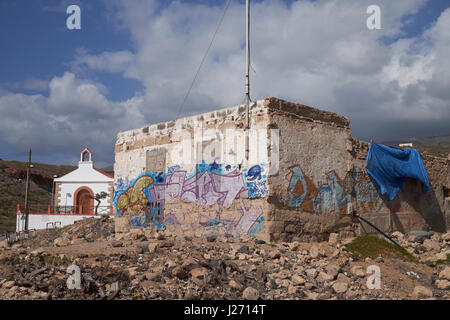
(121, 224)
(421, 292)
(8, 284)
(37, 252)
(324, 277)
(398, 235)
(4, 244)
(61, 242)
(311, 273)
(442, 284)
(179, 272)
(152, 247)
(314, 252)
(235, 285)
(117, 244)
(340, 287)
(418, 235)
(199, 272)
(431, 245)
(332, 270)
(250, 294)
(153, 276)
(333, 239)
(297, 280)
(358, 271)
(445, 274)
(446, 236)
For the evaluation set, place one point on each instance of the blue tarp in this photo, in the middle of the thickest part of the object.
(389, 167)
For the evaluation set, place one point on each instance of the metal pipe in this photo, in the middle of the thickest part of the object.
(27, 190)
(373, 226)
(247, 80)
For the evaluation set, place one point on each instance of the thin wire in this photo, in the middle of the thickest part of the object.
(203, 60)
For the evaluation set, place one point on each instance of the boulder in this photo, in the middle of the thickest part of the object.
(446, 236)
(431, 245)
(37, 252)
(153, 276)
(250, 294)
(419, 235)
(311, 273)
(333, 239)
(314, 252)
(421, 292)
(332, 270)
(235, 285)
(398, 235)
(358, 271)
(445, 274)
(179, 272)
(199, 272)
(442, 284)
(61, 242)
(340, 287)
(152, 247)
(117, 244)
(8, 284)
(297, 280)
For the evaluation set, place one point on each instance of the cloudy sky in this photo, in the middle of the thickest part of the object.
(133, 61)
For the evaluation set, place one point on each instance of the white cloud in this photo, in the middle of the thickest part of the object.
(74, 115)
(106, 61)
(319, 53)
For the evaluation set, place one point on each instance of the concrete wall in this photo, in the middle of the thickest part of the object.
(411, 209)
(304, 171)
(307, 193)
(40, 221)
(191, 175)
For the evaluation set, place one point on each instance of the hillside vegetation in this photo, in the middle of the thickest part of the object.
(12, 188)
(435, 146)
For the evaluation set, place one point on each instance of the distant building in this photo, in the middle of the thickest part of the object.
(75, 192)
(403, 145)
(74, 197)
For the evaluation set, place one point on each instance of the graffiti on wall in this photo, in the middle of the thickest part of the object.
(146, 197)
(333, 195)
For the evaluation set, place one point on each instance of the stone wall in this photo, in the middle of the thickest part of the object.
(308, 193)
(191, 175)
(411, 209)
(304, 172)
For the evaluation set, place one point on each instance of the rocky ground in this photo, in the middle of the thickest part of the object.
(154, 265)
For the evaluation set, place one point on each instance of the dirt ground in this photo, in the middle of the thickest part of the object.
(145, 264)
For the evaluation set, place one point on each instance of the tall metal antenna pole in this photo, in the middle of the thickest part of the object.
(27, 190)
(247, 81)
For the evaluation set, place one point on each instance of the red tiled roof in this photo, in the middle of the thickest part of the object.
(104, 173)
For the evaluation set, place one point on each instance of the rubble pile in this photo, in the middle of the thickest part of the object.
(146, 264)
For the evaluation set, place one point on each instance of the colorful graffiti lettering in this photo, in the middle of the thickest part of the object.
(331, 196)
(205, 187)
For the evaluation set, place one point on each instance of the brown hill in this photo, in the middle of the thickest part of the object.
(438, 146)
(12, 188)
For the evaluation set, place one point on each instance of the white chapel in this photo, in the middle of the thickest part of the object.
(76, 191)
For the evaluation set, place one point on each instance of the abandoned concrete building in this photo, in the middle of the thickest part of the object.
(302, 174)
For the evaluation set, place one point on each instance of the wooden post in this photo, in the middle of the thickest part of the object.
(27, 190)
